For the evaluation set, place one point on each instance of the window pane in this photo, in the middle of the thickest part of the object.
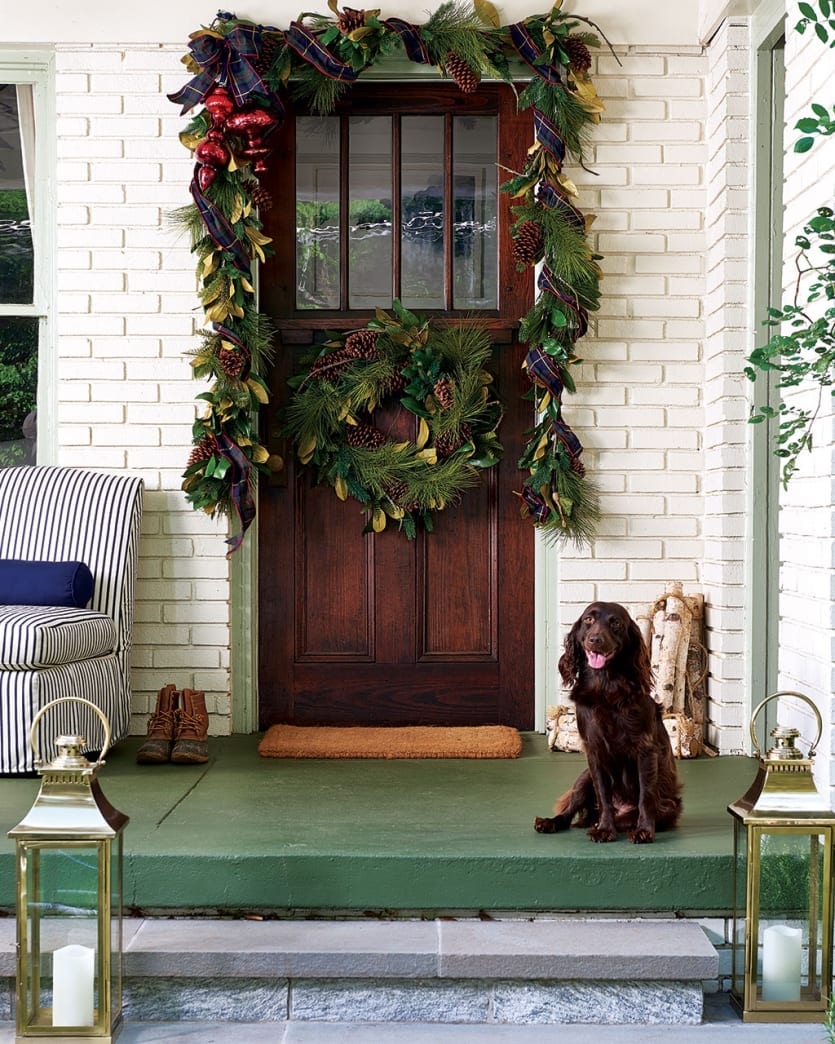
(18, 389)
(369, 188)
(317, 212)
(475, 193)
(422, 211)
(16, 253)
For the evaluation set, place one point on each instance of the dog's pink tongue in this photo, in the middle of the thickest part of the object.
(596, 660)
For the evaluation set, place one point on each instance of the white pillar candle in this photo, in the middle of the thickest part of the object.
(73, 972)
(781, 963)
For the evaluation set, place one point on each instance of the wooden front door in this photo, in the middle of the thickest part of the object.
(396, 196)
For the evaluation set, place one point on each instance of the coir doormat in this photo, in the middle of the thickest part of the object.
(419, 741)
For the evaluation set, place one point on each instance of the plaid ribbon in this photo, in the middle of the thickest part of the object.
(544, 370)
(218, 227)
(548, 136)
(307, 46)
(536, 504)
(226, 60)
(416, 49)
(526, 47)
(240, 471)
(564, 434)
(550, 195)
(548, 281)
(227, 335)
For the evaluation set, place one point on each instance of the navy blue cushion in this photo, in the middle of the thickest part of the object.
(45, 583)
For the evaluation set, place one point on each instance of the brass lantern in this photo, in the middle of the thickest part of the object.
(782, 927)
(69, 899)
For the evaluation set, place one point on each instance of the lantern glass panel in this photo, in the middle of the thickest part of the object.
(62, 923)
(790, 931)
(739, 924)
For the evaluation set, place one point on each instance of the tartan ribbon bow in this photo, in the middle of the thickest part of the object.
(551, 283)
(240, 471)
(530, 54)
(307, 45)
(416, 49)
(227, 60)
(544, 370)
(217, 225)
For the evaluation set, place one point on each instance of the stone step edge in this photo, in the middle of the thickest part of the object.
(542, 949)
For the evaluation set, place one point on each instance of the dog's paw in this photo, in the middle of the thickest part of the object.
(644, 836)
(602, 834)
(545, 825)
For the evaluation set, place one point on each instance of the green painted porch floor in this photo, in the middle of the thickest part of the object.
(244, 833)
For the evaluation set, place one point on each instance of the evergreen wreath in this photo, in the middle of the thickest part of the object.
(435, 373)
(245, 76)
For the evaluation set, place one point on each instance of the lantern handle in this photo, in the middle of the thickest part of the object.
(33, 742)
(774, 696)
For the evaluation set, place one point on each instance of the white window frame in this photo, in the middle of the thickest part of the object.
(37, 68)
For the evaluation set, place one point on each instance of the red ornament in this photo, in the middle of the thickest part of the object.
(253, 123)
(211, 153)
(220, 104)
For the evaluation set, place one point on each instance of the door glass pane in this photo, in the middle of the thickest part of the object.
(16, 253)
(18, 389)
(422, 211)
(370, 193)
(317, 212)
(475, 194)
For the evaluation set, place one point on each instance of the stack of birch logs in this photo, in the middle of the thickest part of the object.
(673, 630)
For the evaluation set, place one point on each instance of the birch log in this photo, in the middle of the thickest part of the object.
(674, 633)
(696, 671)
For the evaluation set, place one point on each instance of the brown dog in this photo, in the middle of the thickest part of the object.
(631, 781)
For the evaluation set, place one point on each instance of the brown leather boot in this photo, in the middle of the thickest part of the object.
(191, 746)
(161, 728)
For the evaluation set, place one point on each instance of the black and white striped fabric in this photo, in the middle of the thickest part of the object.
(67, 514)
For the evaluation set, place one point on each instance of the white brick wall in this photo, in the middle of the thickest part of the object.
(127, 314)
(639, 407)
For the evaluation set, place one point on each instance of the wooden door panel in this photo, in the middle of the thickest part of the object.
(458, 581)
(374, 628)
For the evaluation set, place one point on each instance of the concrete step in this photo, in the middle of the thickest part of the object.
(444, 971)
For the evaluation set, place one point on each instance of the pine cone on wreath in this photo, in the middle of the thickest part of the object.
(458, 70)
(362, 344)
(447, 442)
(527, 246)
(444, 392)
(329, 367)
(393, 385)
(232, 362)
(364, 436)
(266, 56)
(203, 450)
(397, 492)
(579, 56)
(259, 196)
(349, 19)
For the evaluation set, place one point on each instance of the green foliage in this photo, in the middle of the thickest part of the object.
(404, 481)
(18, 374)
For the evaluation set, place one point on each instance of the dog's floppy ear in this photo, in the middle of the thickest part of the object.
(572, 659)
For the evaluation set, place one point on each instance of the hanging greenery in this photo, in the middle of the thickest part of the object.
(435, 373)
(245, 75)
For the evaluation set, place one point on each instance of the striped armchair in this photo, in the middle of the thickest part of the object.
(56, 515)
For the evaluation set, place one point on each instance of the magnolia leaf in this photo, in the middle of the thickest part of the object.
(545, 493)
(544, 402)
(487, 13)
(210, 263)
(258, 390)
(378, 520)
(306, 448)
(237, 210)
(218, 312)
(398, 447)
(245, 283)
(568, 185)
(357, 34)
(256, 236)
(393, 510)
(332, 4)
(260, 454)
(350, 419)
(429, 455)
(423, 434)
(190, 139)
(340, 487)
